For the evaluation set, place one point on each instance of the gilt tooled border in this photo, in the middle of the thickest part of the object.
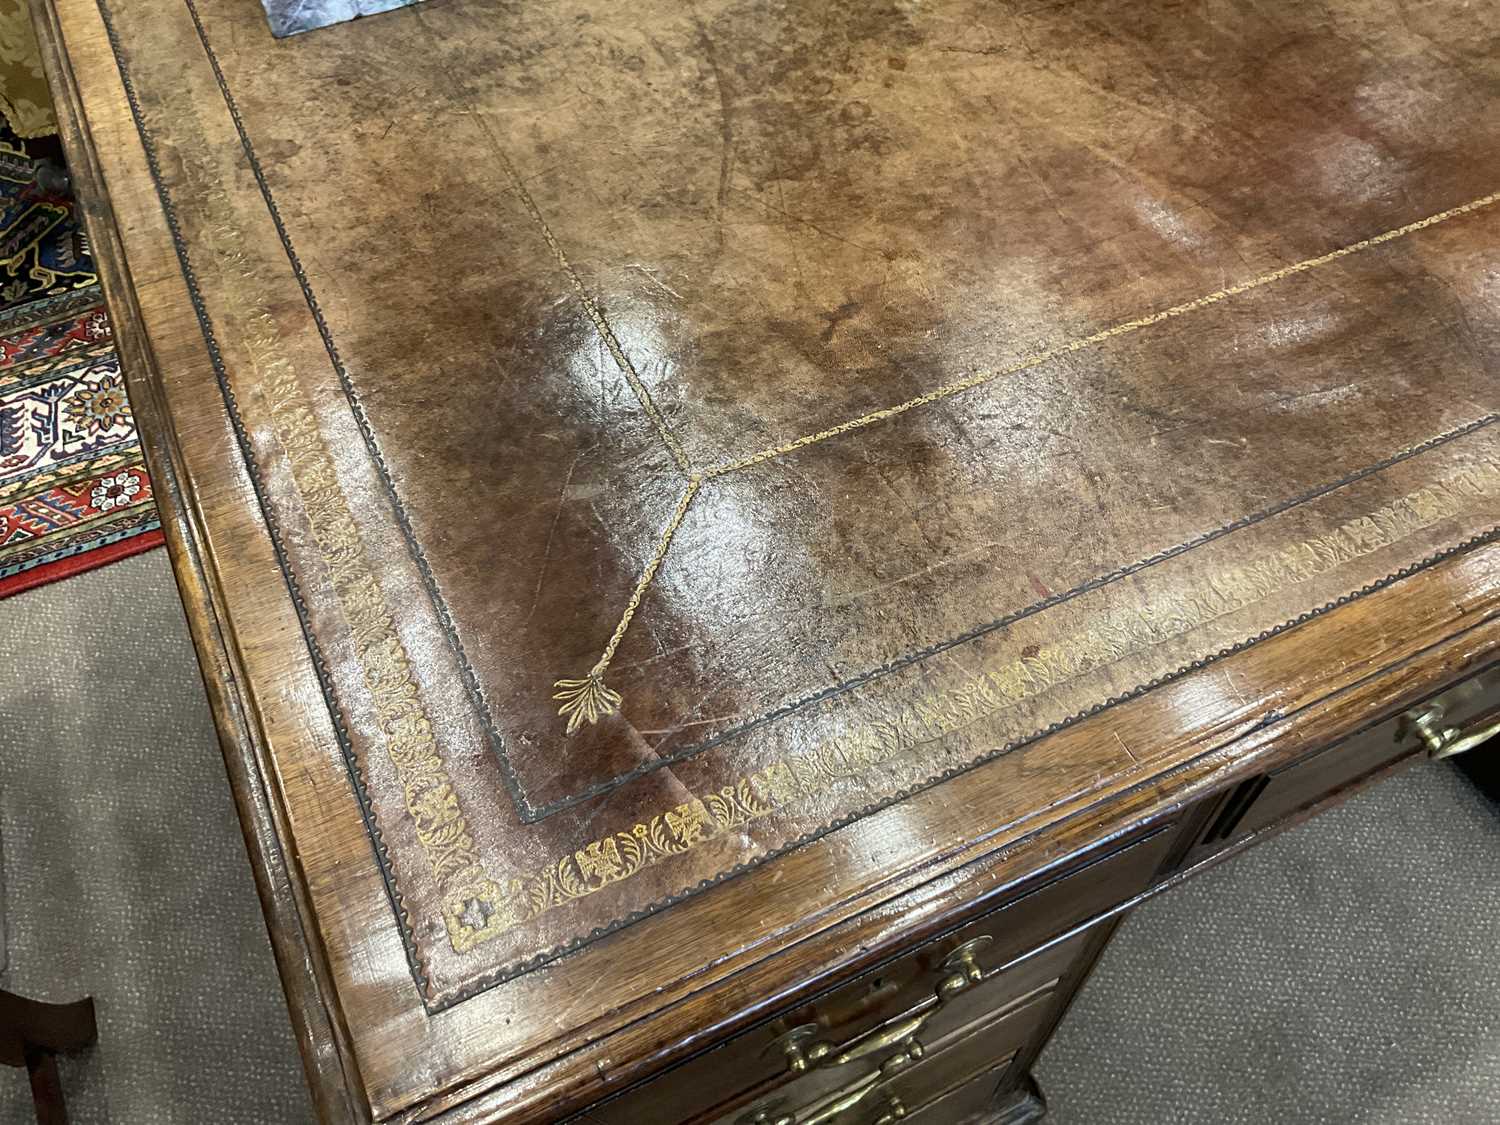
(545, 957)
(357, 778)
(472, 687)
(436, 1003)
(531, 812)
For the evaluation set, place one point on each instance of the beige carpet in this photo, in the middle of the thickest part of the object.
(125, 872)
(1346, 972)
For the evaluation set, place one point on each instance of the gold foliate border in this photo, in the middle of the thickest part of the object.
(430, 798)
(427, 790)
(793, 778)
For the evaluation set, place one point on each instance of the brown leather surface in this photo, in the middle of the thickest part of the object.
(790, 216)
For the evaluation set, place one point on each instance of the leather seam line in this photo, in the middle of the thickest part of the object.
(596, 314)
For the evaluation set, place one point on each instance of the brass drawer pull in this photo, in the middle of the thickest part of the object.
(831, 1110)
(962, 967)
(1446, 742)
(901, 1034)
(828, 1112)
(960, 970)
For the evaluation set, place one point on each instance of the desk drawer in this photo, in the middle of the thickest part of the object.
(1264, 801)
(978, 967)
(1003, 1002)
(962, 1104)
(884, 1096)
(980, 950)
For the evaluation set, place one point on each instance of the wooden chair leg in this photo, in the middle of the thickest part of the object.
(31, 1035)
(46, 1088)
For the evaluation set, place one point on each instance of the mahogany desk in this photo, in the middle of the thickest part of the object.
(729, 542)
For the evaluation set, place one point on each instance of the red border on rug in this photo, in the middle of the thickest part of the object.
(77, 564)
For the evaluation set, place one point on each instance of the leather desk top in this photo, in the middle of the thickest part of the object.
(627, 456)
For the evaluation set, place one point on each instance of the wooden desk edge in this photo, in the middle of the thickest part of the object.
(321, 1038)
(537, 1088)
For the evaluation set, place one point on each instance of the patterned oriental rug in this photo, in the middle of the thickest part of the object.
(74, 493)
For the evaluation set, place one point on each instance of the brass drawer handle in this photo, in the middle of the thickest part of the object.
(1446, 742)
(962, 967)
(960, 970)
(901, 1034)
(829, 1111)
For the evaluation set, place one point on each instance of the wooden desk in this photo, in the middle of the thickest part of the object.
(728, 543)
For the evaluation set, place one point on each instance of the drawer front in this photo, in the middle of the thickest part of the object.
(855, 1015)
(885, 1096)
(966, 999)
(981, 951)
(970, 1100)
(1282, 792)
(1003, 1001)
